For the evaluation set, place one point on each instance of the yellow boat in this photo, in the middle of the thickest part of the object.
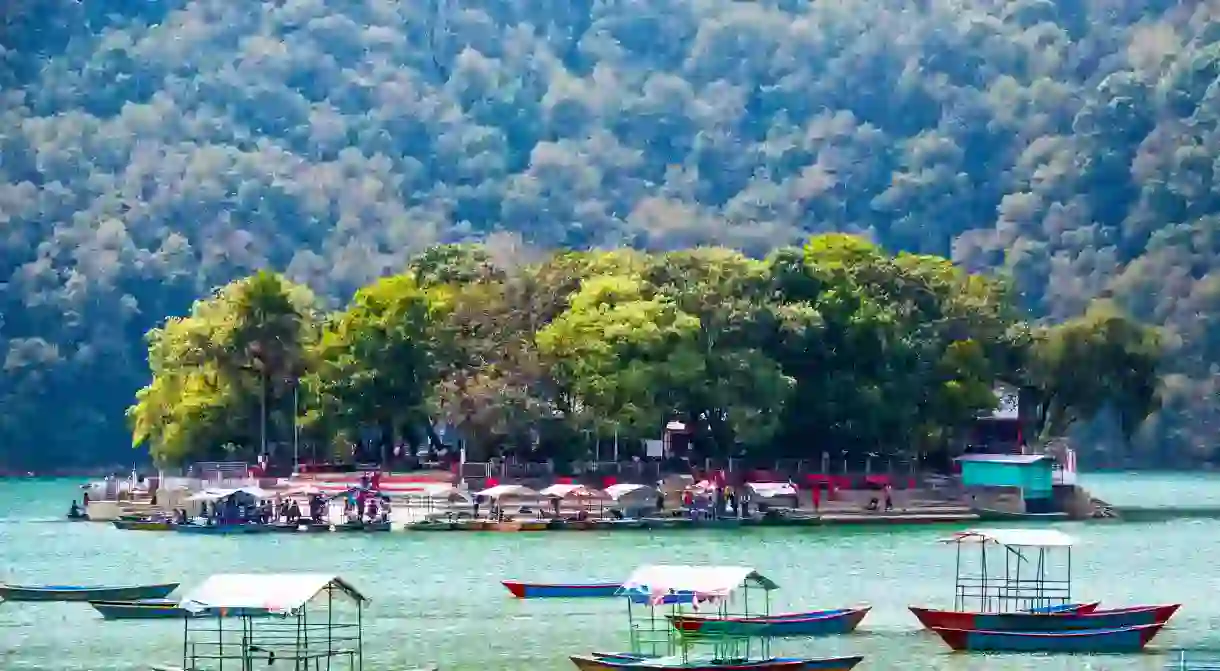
(535, 525)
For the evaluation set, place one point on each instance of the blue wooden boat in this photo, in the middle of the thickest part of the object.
(599, 661)
(527, 590)
(1122, 639)
(156, 609)
(83, 593)
(811, 623)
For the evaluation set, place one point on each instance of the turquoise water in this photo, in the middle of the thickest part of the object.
(437, 597)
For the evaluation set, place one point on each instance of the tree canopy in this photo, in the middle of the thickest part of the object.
(837, 347)
(153, 150)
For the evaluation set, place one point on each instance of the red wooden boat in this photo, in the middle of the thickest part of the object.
(931, 617)
(1110, 618)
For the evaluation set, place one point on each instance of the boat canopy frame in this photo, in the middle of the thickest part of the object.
(306, 632)
(658, 594)
(1021, 573)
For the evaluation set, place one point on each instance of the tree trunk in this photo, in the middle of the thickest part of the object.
(430, 429)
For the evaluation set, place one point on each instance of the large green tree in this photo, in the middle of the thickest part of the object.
(221, 374)
(376, 361)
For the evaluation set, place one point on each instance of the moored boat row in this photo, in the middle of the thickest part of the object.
(249, 528)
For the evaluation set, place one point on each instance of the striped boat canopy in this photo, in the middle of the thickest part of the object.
(715, 581)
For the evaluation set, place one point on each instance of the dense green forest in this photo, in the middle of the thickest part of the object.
(835, 348)
(155, 149)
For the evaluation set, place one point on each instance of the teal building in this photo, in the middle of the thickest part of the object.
(1031, 473)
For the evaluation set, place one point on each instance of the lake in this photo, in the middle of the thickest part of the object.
(436, 598)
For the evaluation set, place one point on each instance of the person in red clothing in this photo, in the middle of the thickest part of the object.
(817, 496)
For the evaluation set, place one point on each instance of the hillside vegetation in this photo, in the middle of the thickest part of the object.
(154, 149)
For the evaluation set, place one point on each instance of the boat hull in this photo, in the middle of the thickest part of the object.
(74, 593)
(159, 609)
(359, 527)
(1115, 618)
(523, 590)
(598, 661)
(148, 609)
(221, 529)
(1123, 639)
(141, 525)
(812, 623)
(952, 619)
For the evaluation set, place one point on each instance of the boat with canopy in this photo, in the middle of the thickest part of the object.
(294, 621)
(1017, 586)
(725, 591)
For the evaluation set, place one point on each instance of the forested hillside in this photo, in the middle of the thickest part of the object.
(153, 149)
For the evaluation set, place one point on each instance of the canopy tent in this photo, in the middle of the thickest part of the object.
(257, 492)
(278, 593)
(631, 491)
(771, 490)
(1033, 538)
(676, 484)
(575, 492)
(302, 490)
(705, 581)
(633, 500)
(211, 495)
(509, 492)
(350, 490)
(436, 490)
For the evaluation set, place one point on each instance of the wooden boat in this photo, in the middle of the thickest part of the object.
(150, 609)
(535, 525)
(523, 590)
(811, 623)
(1113, 618)
(141, 609)
(82, 593)
(471, 525)
(598, 661)
(1122, 639)
(990, 515)
(668, 522)
(143, 525)
(221, 529)
(432, 525)
(362, 526)
(931, 617)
